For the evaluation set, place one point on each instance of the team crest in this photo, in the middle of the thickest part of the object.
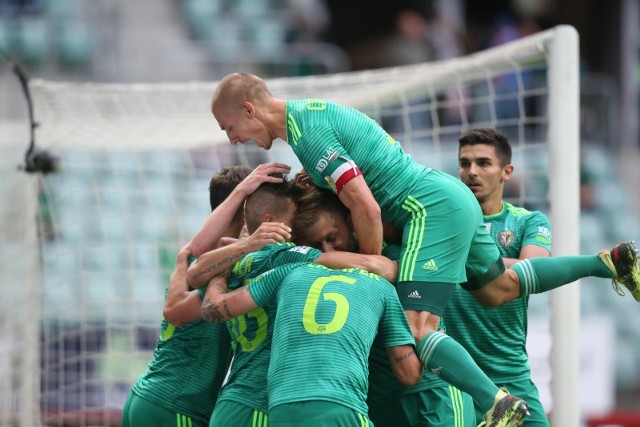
(505, 239)
(332, 184)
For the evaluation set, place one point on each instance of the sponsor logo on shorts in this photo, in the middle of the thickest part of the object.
(414, 294)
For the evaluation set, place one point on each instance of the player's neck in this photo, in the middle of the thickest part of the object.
(278, 119)
(491, 206)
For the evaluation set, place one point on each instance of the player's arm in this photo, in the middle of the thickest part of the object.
(219, 305)
(405, 364)
(219, 260)
(527, 251)
(182, 305)
(218, 221)
(365, 214)
(378, 264)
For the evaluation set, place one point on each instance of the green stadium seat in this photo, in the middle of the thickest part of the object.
(33, 40)
(74, 46)
(199, 16)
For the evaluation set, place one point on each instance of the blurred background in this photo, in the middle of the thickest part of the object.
(119, 41)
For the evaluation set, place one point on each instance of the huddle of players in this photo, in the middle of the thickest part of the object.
(322, 338)
(344, 350)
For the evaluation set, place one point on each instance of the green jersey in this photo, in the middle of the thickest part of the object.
(326, 322)
(251, 333)
(496, 337)
(174, 378)
(334, 143)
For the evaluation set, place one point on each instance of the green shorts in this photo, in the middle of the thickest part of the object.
(233, 414)
(316, 413)
(444, 239)
(140, 412)
(526, 390)
(444, 406)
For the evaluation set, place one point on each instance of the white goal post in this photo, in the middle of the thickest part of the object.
(86, 251)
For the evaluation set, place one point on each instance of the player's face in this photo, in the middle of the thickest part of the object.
(331, 232)
(481, 171)
(243, 127)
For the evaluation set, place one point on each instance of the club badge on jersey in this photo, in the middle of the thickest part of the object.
(506, 238)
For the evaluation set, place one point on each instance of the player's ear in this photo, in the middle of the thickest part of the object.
(507, 172)
(268, 217)
(249, 108)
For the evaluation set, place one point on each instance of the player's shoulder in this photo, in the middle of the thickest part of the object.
(522, 212)
(530, 220)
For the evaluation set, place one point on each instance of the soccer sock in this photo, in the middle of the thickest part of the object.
(447, 359)
(543, 274)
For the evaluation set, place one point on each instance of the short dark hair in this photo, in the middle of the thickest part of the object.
(270, 197)
(223, 183)
(488, 136)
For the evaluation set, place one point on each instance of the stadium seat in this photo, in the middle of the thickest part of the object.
(199, 15)
(74, 46)
(33, 39)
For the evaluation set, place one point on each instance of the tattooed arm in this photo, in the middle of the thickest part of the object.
(219, 260)
(181, 305)
(219, 305)
(405, 364)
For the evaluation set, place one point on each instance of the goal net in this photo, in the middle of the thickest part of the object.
(87, 250)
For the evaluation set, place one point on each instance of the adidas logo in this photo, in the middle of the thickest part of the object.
(414, 294)
(430, 265)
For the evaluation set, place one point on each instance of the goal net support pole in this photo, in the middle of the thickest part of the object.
(564, 191)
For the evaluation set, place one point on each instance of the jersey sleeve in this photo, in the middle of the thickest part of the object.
(264, 288)
(394, 327)
(296, 254)
(331, 165)
(537, 231)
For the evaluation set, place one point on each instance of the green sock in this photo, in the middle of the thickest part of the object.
(543, 274)
(447, 359)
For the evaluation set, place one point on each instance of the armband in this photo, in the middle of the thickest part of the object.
(344, 173)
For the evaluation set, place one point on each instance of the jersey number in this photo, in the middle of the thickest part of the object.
(313, 299)
(316, 105)
(239, 328)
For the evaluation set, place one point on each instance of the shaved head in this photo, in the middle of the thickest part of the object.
(236, 88)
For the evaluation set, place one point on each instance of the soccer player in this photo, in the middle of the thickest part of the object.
(496, 337)
(172, 390)
(444, 240)
(243, 398)
(323, 221)
(326, 321)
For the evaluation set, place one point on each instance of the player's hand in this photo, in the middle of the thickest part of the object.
(269, 233)
(261, 174)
